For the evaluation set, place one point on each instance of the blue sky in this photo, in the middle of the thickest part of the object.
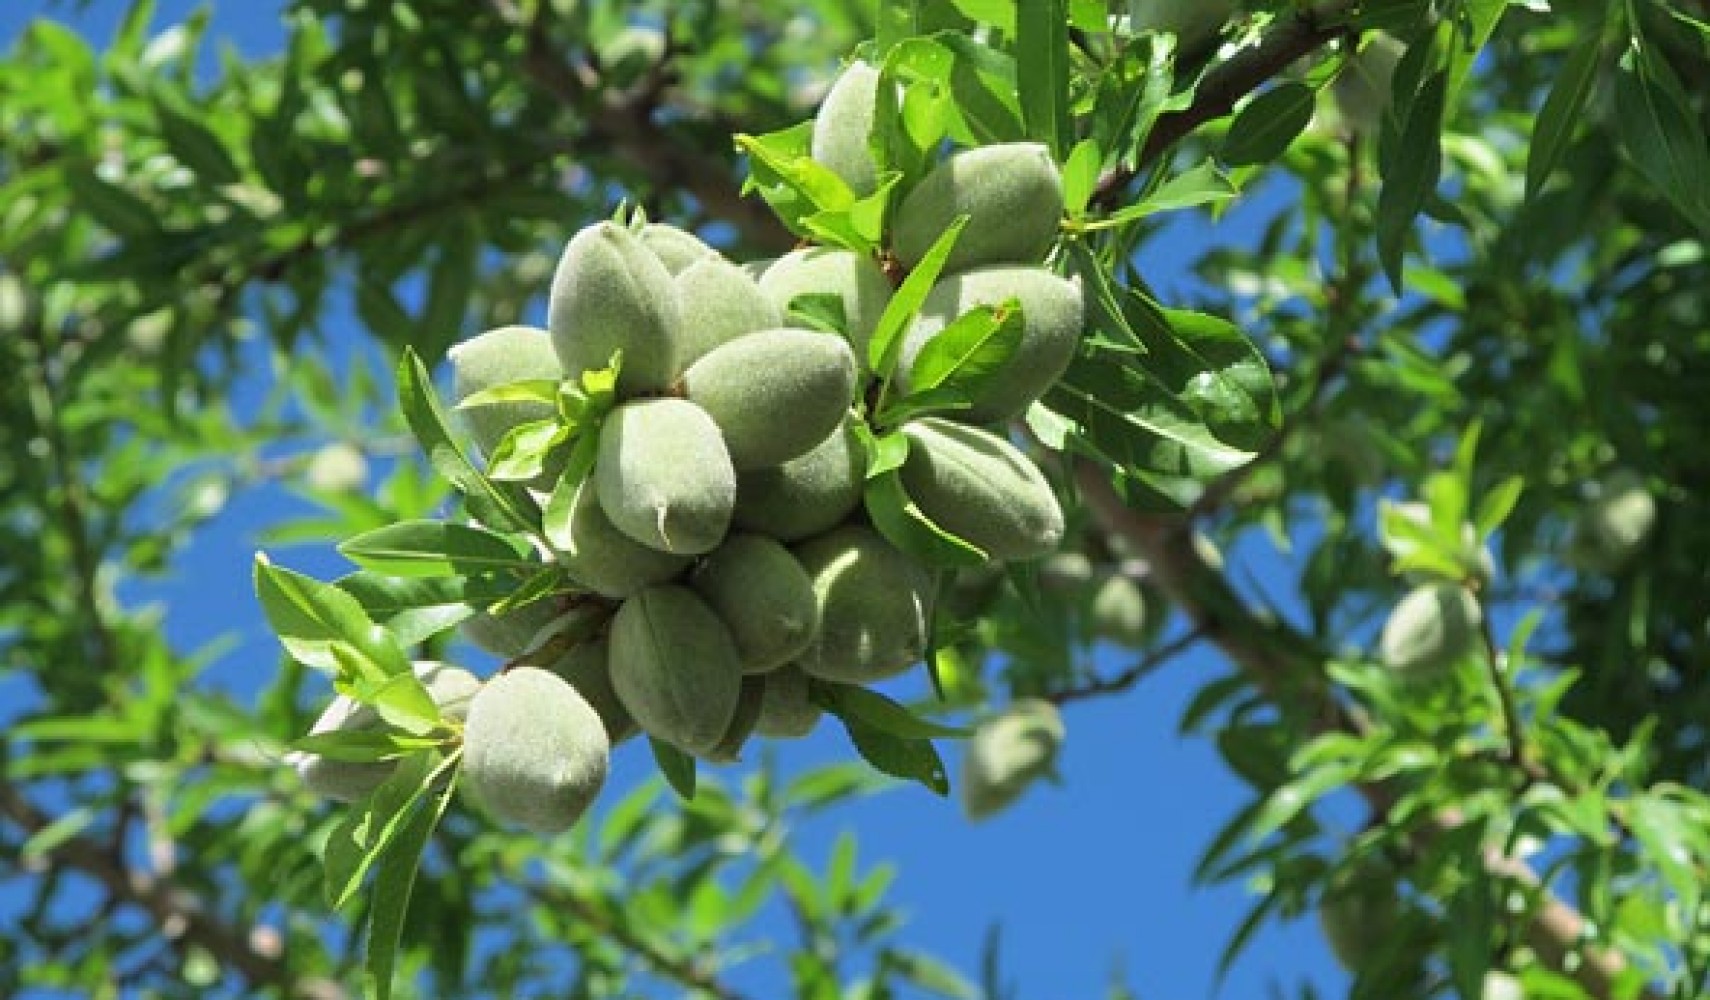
(1085, 879)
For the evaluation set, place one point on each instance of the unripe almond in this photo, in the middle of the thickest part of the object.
(1007, 753)
(874, 606)
(663, 475)
(762, 594)
(723, 302)
(675, 667)
(774, 394)
(676, 248)
(979, 487)
(495, 358)
(534, 752)
(854, 278)
(787, 710)
(807, 495)
(1012, 194)
(1431, 628)
(606, 560)
(843, 125)
(1052, 314)
(609, 293)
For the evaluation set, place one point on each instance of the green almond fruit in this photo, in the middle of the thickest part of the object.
(874, 606)
(763, 595)
(675, 667)
(774, 394)
(729, 749)
(723, 302)
(498, 357)
(843, 125)
(451, 688)
(1117, 611)
(611, 293)
(1052, 315)
(809, 494)
(513, 634)
(787, 711)
(1431, 628)
(1615, 525)
(1359, 913)
(856, 279)
(604, 559)
(587, 666)
(1012, 194)
(1362, 89)
(677, 249)
(534, 752)
(979, 487)
(663, 475)
(1008, 752)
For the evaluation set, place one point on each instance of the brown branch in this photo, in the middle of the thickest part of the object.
(1217, 93)
(1269, 653)
(179, 915)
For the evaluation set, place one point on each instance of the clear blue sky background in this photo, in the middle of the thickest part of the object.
(1086, 880)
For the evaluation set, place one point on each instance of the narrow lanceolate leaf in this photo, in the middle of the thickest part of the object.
(1412, 176)
(1042, 71)
(964, 356)
(394, 881)
(1661, 133)
(427, 421)
(677, 767)
(886, 345)
(905, 525)
(1496, 504)
(118, 210)
(308, 615)
(878, 711)
(1268, 124)
(1561, 113)
(433, 548)
(899, 757)
(366, 830)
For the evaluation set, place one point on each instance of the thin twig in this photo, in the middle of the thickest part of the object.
(684, 972)
(1116, 683)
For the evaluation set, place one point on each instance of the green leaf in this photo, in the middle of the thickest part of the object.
(1295, 797)
(897, 756)
(359, 745)
(1080, 176)
(394, 882)
(1201, 185)
(1475, 23)
(397, 694)
(308, 615)
(1662, 134)
(1412, 175)
(1268, 124)
(1042, 71)
(982, 85)
(1562, 112)
(196, 146)
(878, 711)
(522, 454)
(561, 505)
(118, 210)
(966, 354)
(1495, 506)
(422, 412)
(886, 345)
(415, 609)
(434, 548)
(370, 825)
(906, 526)
(784, 173)
(677, 767)
(540, 390)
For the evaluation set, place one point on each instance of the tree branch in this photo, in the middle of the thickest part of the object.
(179, 915)
(1268, 652)
(685, 972)
(1116, 683)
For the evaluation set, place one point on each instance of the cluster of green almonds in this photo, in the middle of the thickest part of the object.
(720, 538)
